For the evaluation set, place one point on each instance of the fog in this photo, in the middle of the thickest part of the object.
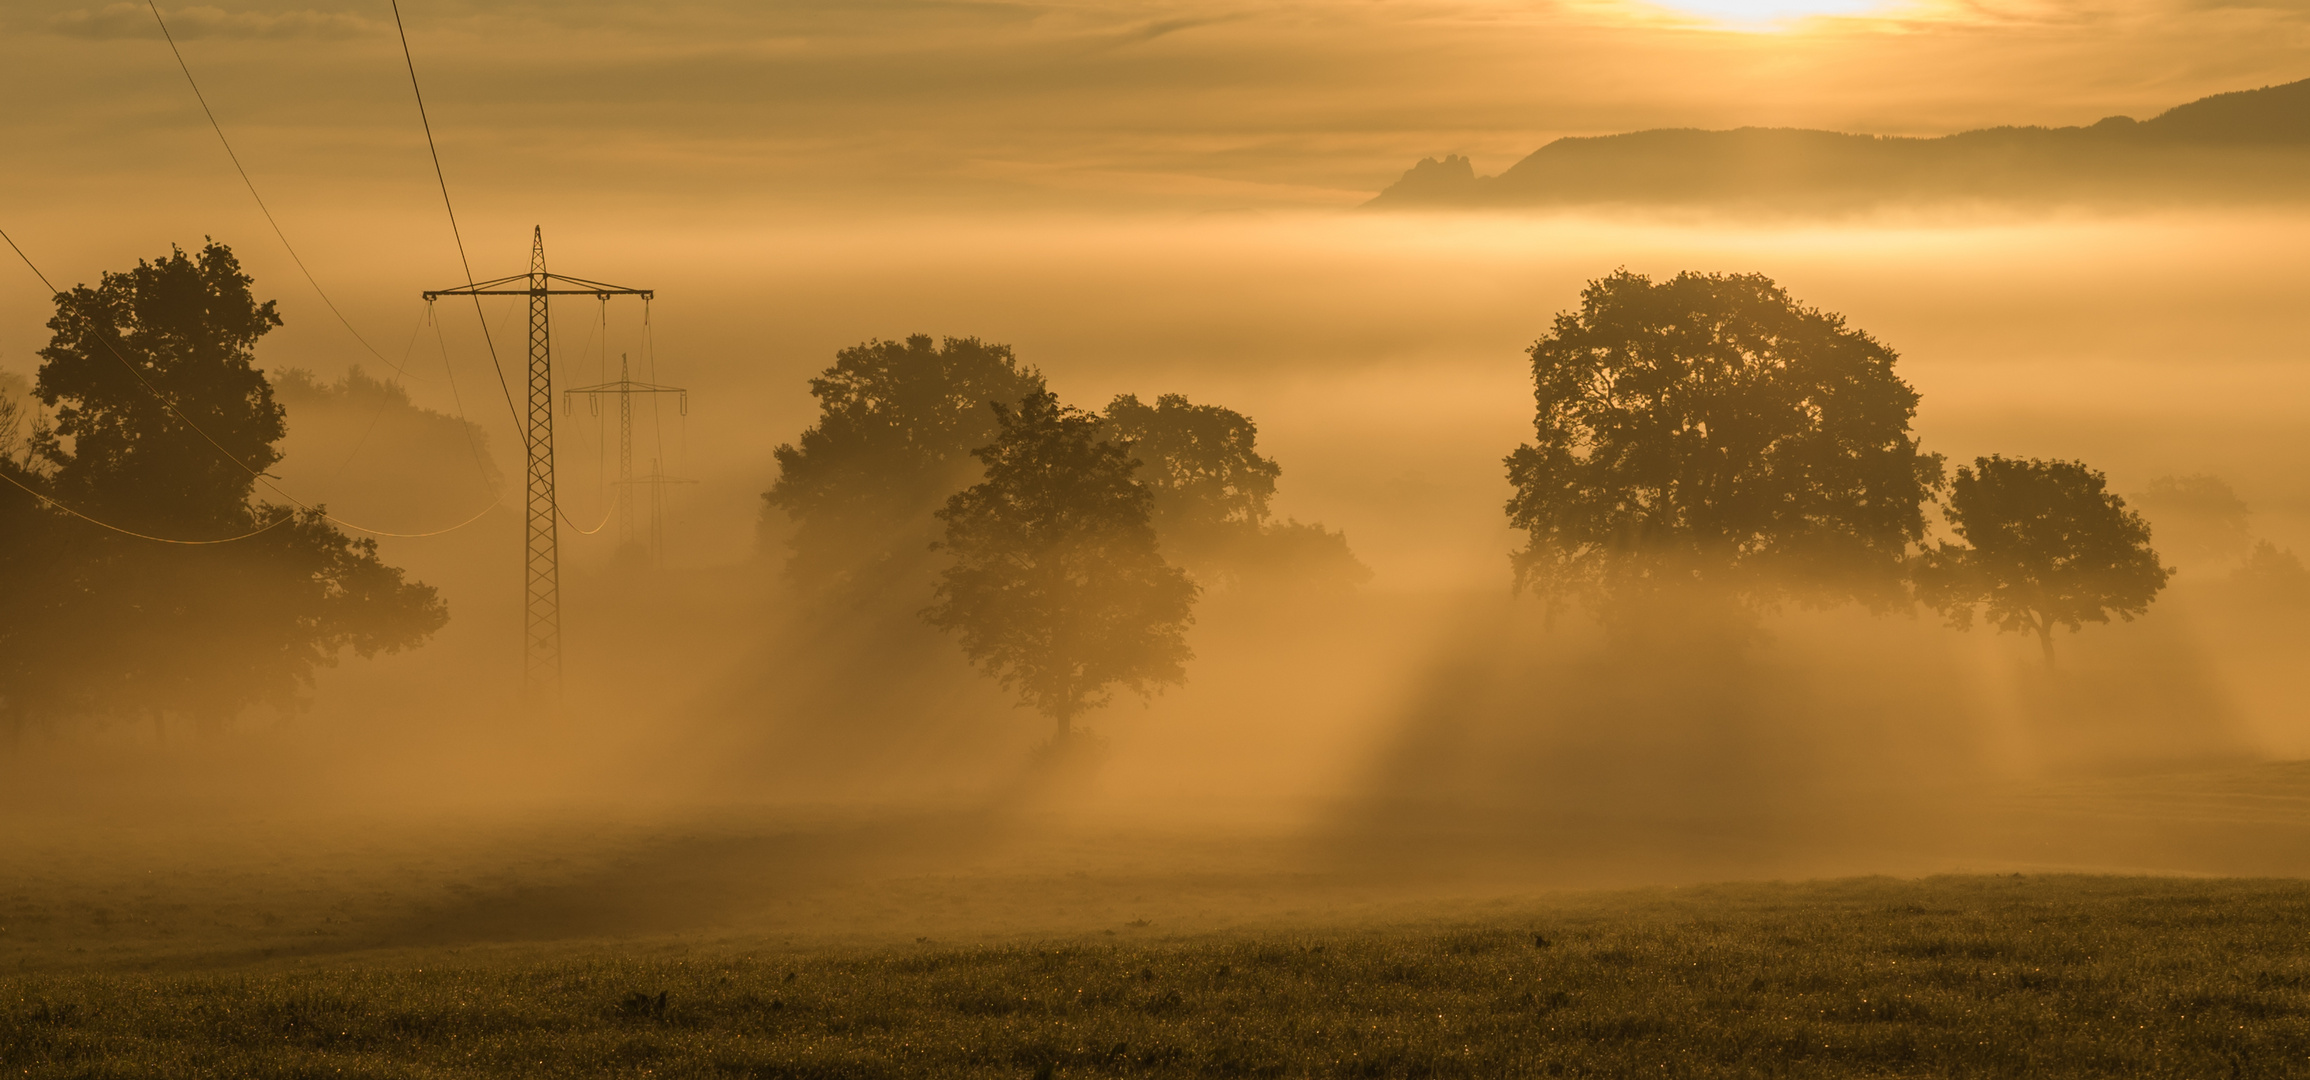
(730, 755)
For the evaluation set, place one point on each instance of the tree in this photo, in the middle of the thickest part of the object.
(2046, 545)
(2273, 576)
(381, 452)
(14, 393)
(2200, 520)
(1057, 587)
(1208, 485)
(1211, 489)
(162, 420)
(898, 422)
(1710, 431)
(162, 425)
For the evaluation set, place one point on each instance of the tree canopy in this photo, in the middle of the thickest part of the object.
(2274, 576)
(1710, 430)
(2046, 544)
(2199, 519)
(1208, 484)
(897, 424)
(94, 621)
(1211, 489)
(1057, 587)
(161, 420)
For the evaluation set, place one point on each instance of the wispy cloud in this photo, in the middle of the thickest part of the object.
(1160, 27)
(126, 20)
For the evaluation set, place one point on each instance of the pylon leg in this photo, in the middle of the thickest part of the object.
(542, 660)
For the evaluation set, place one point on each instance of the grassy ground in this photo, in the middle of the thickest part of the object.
(1950, 976)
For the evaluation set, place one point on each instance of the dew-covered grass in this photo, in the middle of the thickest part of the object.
(2040, 976)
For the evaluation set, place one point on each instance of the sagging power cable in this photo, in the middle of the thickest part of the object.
(256, 474)
(401, 369)
(278, 234)
(441, 178)
(131, 532)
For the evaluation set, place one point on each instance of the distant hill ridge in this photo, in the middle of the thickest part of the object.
(2249, 145)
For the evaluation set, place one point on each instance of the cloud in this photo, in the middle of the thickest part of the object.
(124, 20)
(1160, 27)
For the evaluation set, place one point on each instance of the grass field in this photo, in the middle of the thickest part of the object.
(1947, 976)
(2158, 926)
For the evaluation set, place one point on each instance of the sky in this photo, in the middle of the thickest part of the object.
(821, 105)
(1141, 197)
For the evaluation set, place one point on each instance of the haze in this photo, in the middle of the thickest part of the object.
(1147, 199)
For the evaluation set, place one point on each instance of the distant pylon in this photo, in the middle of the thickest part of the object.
(658, 481)
(541, 652)
(625, 389)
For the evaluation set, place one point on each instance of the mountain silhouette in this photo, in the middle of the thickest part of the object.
(2247, 146)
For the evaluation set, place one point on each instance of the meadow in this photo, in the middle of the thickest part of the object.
(1971, 975)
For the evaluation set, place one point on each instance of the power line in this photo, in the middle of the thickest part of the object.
(598, 526)
(52, 501)
(259, 476)
(435, 150)
(467, 426)
(378, 413)
(400, 370)
(20, 485)
(252, 186)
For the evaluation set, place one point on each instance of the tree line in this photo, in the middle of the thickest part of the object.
(1709, 437)
(1704, 447)
(1064, 550)
(193, 598)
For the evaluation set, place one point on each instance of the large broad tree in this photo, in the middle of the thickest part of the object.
(1710, 431)
(2046, 544)
(897, 424)
(118, 600)
(1211, 489)
(1057, 587)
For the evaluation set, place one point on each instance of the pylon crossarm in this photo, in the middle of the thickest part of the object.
(604, 287)
(625, 388)
(480, 291)
(475, 288)
(542, 638)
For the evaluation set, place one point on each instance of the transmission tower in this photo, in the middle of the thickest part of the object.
(625, 389)
(658, 482)
(541, 656)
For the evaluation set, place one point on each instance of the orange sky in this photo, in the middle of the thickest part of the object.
(766, 166)
(713, 108)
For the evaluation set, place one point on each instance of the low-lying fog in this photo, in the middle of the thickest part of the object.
(1427, 720)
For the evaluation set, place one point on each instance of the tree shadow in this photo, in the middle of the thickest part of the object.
(720, 877)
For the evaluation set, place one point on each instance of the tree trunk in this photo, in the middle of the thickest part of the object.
(1066, 732)
(2045, 638)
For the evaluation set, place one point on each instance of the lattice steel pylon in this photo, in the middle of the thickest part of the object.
(541, 648)
(625, 389)
(658, 482)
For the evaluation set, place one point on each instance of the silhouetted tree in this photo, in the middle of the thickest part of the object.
(10, 437)
(95, 621)
(378, 450)
(2046, 545)
(2273, 576)
(1208, 484)
(897, 424)
(2200, 520)
(1211, 489)
(171, 440)
(1057, 587)
(1710, 431)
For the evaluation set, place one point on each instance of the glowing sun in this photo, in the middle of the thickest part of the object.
(1766, 14)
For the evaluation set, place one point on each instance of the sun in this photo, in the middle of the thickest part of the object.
(1766, 14)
